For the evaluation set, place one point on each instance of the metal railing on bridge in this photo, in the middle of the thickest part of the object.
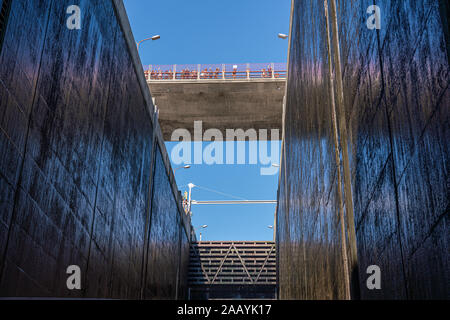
(243, 71)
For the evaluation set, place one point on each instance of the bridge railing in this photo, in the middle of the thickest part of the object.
(248, 71)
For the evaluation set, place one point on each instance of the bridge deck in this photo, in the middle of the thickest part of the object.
(221, 96)
(235, 104)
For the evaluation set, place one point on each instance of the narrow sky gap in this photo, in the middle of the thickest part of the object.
(210, 32)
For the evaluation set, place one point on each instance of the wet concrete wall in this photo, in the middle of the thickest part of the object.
(396, 115)
(79, 144)
(164, 237)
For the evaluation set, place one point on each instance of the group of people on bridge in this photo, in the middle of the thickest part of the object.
(185, 74)
(206, 73)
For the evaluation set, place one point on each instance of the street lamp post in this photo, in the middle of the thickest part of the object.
(182, 167)
(151, 38)
(190, 185)
(203, 227)
(273, 232)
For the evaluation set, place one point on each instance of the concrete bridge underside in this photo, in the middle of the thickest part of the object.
(220, 104)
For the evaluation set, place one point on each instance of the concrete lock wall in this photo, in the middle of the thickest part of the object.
(396, 113)
(84, 175)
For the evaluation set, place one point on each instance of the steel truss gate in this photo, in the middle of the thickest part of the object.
(232, 270)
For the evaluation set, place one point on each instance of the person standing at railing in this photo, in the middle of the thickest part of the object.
(234, 71)
(216, 73)
(269, 69)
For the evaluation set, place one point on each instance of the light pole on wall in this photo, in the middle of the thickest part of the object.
(190, 185)
(182, 167)
(138, 44)
(271, 227)
(203, 227)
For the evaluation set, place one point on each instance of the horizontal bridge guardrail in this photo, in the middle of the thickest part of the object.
(198, 202)
(249, 71)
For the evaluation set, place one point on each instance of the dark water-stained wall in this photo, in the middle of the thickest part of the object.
(164, 248)
(77, 142)
(185, 241)
(396, 100)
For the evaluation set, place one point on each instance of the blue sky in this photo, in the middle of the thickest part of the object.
(218, 31)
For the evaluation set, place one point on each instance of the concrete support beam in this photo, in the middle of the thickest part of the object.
(254, 104)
